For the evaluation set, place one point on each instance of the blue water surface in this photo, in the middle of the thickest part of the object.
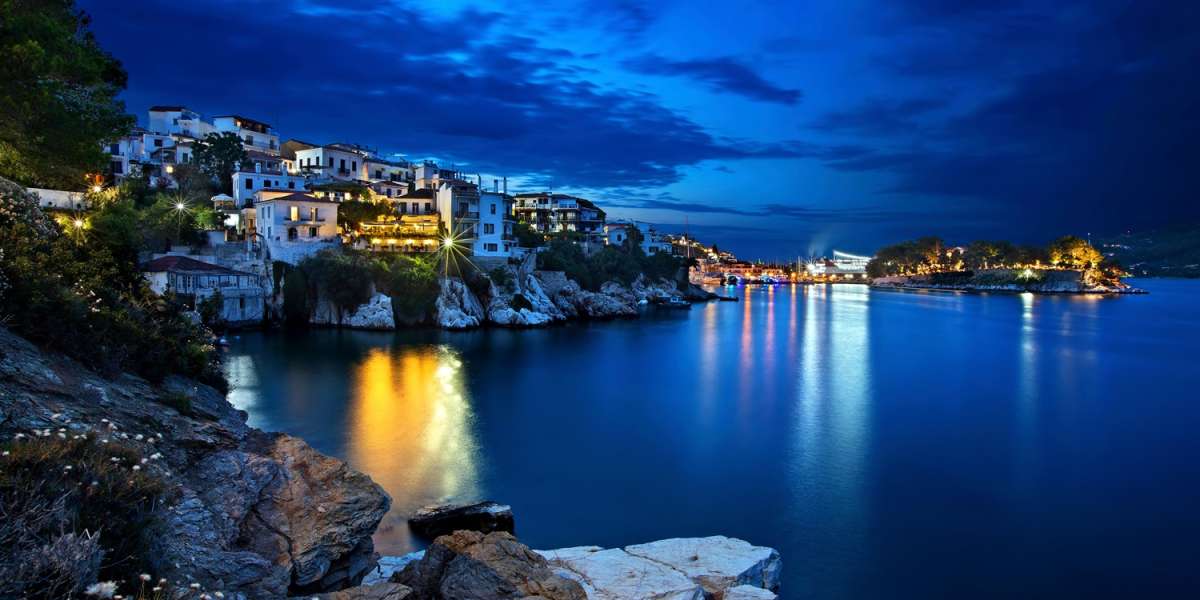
(889, 444)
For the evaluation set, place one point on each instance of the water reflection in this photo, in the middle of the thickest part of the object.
(410, 428)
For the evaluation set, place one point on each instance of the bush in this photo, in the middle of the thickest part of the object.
(295, 297)
(73, 514)
(503, 279)
(609, 264)
(84, 296)
(343, 278)
(412, 284)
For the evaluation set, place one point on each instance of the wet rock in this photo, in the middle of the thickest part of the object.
(468, 565)
(457, 307)
(387, 565)
(521, 303)
(484, 517)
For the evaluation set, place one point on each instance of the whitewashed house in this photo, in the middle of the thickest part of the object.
(496, 220)
(247, 183)
(255, 135)
(295, 225)
(243, 294)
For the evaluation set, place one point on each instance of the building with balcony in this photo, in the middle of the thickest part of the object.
(458, 205)
(548, 213)
(294, 225)
(255, 135)
(417, 202)
(494, 235)
(418, 234)
(178, 120)
(247, 183)
(243, 294)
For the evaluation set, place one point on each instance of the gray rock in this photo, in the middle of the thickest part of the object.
(717, 563)
(616, 575)
(468, 565)
(375, 314)
(457, 307)
(257, 514)
(385, 590)
(387, 565)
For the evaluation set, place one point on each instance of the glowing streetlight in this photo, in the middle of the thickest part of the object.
(96, 189)
(179, 206)
(78, 223)
(448, 242)
(170, 169)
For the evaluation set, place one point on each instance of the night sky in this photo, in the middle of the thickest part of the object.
(778, 129)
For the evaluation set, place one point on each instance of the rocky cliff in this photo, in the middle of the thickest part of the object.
(257, 514)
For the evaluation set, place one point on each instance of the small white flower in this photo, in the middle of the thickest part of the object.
(137, 468)
(156, 589)
(95, 483)
(219, 594)
(67, 468)
(145, 460)
(19, 436)
(62, 436)
(62, 429)
(56, 416)
(6, 453)
(103, 420)
(104, 441)
(155, 456)
(144, 577)
(115, 459)
(138, 437)
(102, 590)
(194, 586)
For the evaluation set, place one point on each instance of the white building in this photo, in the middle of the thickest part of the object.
(255, 135)
(248, 183)
(495, 233)
(243, 294)
(295, 225)
(60, 199)
(178, 120)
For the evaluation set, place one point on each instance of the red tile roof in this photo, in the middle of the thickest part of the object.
(183, 263)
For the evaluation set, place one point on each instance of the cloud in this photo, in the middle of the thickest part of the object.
(460, 87)
(723, 74)
(879, 116)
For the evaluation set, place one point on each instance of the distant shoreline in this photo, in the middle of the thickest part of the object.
(1004, 281)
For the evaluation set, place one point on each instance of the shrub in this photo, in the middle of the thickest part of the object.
(74, 511)
(412, 284)
(295, 297)
(343, 278)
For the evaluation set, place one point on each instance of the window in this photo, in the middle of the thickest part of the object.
(403, 208)
(428, 208)
(342, 163)
(416, 207)
(331, 161)
(378, 173)
(114, 149)
(294, 213)
(312, 214)
(249, 140)
(493, 208)
(389, 192)
(354, 165)
(158, 142)
(117, 167)
(489, 228)
(291, 185)
(249, 183)
(312, 232)
(489, 247)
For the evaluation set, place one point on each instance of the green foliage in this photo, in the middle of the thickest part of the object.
(220, 155)
(211, 309)
(1172, 251)
(924, 255)
(344, 278)
(412, 284)
(58, 95)
(295, 296)
(609, 264)
(164, 223)
(352, 213)
(1074, 253)
(83, 296)
(527, 237)
(74, 510)
(502, 278)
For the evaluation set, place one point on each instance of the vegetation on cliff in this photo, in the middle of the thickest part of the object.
(611, 263)
(347, 278)
(1168, 252)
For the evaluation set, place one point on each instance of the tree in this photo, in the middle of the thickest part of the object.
(220, 155)
(58, 95)
(212, 309)
(1074, 253)
(527, 237)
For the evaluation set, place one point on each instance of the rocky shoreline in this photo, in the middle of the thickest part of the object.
(1004, 280)
(263, 515)
(528, 298)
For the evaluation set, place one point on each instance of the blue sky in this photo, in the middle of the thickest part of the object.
(775, 129)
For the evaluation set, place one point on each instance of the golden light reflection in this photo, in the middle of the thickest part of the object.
(410, 430)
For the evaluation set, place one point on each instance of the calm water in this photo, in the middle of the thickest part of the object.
(889, 444)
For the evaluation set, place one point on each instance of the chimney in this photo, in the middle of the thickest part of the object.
(506, 184)
(495, 184)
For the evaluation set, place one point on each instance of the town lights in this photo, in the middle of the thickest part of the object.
(179, 206)
(170, 169)
(78, 223)
(96, 189)
(448, 242)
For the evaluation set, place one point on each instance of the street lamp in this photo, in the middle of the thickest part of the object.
(448, 242)
(96, 189)
(78, 223)
(179, 206)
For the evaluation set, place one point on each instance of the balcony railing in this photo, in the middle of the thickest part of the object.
(467, 214)
(303, 221)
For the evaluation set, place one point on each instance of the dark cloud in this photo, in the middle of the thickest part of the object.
(460, 88)
(723, 74)
(879, 116)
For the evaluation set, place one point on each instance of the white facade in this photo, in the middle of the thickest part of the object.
(178, 120)
(330, 162)
(255, 135)
(295, 225)
(61, 200)
(246, 184)
(495, 235)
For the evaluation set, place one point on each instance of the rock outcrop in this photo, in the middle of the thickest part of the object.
(716, 568)
(521, 303)
(457, 307)
(484, 517)
(375, 314)
(682, 568)
(613, 300)
(1006, 280)
(385, 590)
(468, 565)
(259, 514)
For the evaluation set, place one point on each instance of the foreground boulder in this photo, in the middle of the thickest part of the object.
(258, 514)
(484, 517)
(468, 565)
(679, 568)
(375, 314)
